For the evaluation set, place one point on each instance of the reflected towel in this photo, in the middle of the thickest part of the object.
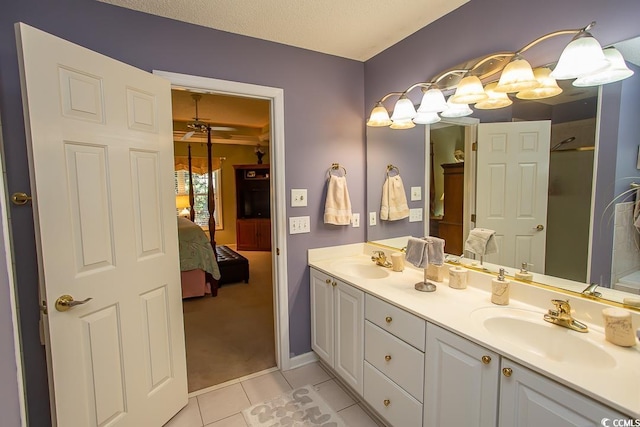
(394, 200)
(481, 241)
(417, 252)
(337, 207)
(435, 250)
(636, 210)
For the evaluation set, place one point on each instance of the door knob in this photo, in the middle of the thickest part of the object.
(539, 227)
(20, 198)
(486, 359)
(507, 372)
(65, 302)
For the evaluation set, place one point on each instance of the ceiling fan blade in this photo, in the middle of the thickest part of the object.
(187, 135)
(223, 128)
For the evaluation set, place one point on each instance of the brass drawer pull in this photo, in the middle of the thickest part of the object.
(328, 281)
(507, 372)
(387, 402)
(387, 357)
(388, 319)
(486, 359)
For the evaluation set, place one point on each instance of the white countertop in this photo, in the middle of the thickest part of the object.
(617, 387)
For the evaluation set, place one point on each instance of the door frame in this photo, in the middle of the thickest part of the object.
(278, 209)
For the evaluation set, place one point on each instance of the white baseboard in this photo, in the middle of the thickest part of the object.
(302, 359)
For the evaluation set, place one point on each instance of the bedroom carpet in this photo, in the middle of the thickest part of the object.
(231, 335)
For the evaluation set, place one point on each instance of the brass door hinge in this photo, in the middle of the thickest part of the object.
(277, 251)
(474, 146)
(473, 217)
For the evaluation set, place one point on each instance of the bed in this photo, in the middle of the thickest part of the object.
(199, 271)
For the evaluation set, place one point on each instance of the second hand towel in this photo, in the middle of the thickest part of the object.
(394, 200)
(337, 207)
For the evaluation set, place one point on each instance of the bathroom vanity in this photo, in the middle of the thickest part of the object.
(450, 357)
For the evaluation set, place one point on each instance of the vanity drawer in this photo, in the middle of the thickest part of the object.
(404, 325)
(390, 401)
(395, 359)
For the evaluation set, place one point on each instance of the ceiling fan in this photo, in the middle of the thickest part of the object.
(199, 126)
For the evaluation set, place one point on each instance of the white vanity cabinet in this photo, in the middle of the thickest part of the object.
(530, 399)
(337, 326)
(394, 362)
(461, 381)
(466, 384)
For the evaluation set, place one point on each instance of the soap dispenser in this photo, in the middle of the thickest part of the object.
(500, 289)
(523, 274)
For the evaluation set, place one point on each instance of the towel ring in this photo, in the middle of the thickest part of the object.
(337, 167)
(391, 168)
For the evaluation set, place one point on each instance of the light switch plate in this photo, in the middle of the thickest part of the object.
(299, 224)
(355, 220)
(372, 218)
(298, 197)
(415, 215)
(416, 193)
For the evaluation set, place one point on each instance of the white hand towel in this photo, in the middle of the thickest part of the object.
(337, 207)
(417, 252)
(481, 241)
(636, 210)
(435, 250)
(394, 200)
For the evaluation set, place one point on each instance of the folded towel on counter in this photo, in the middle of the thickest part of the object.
(435, 250)
(394, 199)
(481, 241)
(417, 252)
(337, 207)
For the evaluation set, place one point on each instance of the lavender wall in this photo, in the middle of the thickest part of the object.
(323, 101)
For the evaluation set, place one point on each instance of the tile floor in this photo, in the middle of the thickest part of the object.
(222, 407)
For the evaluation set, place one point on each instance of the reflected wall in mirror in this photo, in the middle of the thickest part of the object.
(583, 209)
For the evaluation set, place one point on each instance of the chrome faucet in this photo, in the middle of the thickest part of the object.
(380, 259)
(561, 316)
(590, 291)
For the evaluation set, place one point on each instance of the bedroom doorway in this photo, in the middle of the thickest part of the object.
(244, 318)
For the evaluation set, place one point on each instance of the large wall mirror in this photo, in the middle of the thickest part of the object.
(583, 179)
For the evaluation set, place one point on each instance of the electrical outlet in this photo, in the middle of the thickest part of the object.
(355, 220)
(416, 193)
(415, 215)
(299, 224)
(298, 197)
(372, 218)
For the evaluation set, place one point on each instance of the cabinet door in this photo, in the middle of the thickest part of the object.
(322, 319)
(530, 399)
(349, 334)
(264, 234)
(246, 235)
(461, 381)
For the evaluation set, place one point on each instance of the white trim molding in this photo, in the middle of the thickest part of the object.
(278, 209)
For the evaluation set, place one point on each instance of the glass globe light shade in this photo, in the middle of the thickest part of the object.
(403, 110)
(548, 86)
(426, 118)
(495, 100)
(402, 124)
(516, 76)
(581, 57)
(456, 110)
(379, 116)
(469, 91)
(432, 102)
(616, 71)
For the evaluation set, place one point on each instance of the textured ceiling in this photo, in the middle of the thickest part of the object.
(355, 29)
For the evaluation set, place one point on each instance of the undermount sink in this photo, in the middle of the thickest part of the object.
(360, 268)
(527, 330)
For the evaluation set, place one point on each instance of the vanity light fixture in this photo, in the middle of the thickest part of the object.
(582, 59)
(469, 91)
(516, 76)
(495, 100)
(456, 110)
(379, 116)
(616, 71)
(403, 110)
(582, 56)
(548, 86)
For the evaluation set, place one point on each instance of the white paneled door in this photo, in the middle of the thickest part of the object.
(101, 162)
(513, 165)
